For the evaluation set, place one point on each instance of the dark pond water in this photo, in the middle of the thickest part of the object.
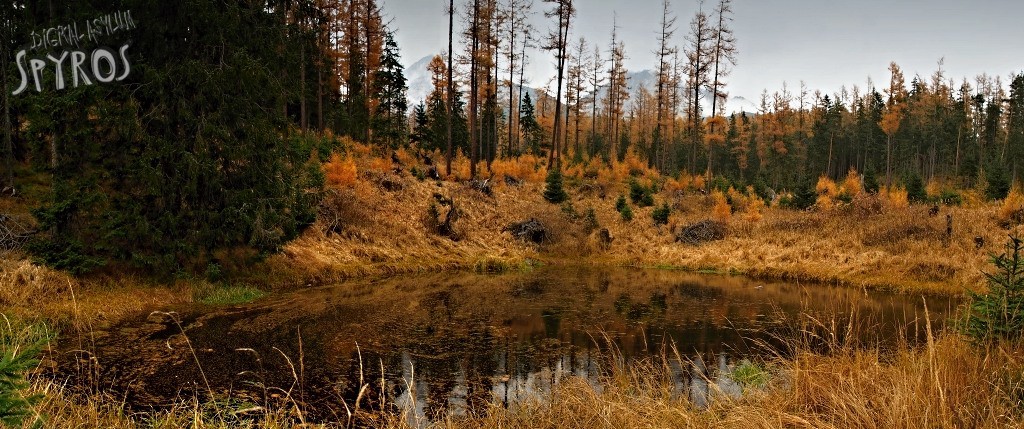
(451, 343)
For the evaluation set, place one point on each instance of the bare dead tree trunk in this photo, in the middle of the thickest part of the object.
(512, 110)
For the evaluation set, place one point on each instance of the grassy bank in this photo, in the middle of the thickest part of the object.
(376, 222)
(870, 242)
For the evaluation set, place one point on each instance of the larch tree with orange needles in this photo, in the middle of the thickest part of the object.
(893, 115)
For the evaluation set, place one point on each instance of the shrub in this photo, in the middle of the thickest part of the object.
(553, 191)
(640, 194)
(660, 214)
(826, 187)
(897, 197)
(721, 211)
(870, 183)
(762, 189)
(340, 172)
(627, 214)
(915, 188)
(998, 183)
(999, 313)
(570, 211)
(590, 220)
(950, 197)
(750, 375)
(804, 197)
(720, 183)
(754, 208)
(620, 204)
(1012, 210)
(851, 187)
(932, 190)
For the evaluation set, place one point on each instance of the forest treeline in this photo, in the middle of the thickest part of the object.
(214, 140)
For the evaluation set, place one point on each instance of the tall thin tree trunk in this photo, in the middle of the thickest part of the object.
(451, 89)
(367, 84)
(563, 35)
(513, 115)
(8, 141)
(828, 169)
(302, 88)
(956, 161)
(519, 101)
(474, 140)
(888, 163)
(320, 99)
(495, 143)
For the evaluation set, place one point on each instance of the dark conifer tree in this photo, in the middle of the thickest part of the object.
(389, 126)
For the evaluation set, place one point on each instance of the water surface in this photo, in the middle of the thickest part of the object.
(452, 343)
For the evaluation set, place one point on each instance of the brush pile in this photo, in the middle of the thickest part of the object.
(701, 232)
(13, 233)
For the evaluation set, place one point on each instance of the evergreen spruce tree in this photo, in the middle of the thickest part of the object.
(1015, 129)
(553, 191)
(915, 188)
(660, 214)
(998, 182)
(389, 86)
(421, 123)
(870, 182)
(436, 134)
(190, 154)
(532, 132)
(999, 313)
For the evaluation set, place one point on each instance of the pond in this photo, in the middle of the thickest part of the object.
(452, 343)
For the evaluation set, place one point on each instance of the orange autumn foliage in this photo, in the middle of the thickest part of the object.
(340, 172)
(851, 185)
(721, 212)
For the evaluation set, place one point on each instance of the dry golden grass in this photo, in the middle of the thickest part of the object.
(875, 242)
(35, 293)
(1012, 209)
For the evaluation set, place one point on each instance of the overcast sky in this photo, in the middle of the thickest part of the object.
(824, 43)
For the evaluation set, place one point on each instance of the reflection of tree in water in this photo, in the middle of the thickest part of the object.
(642, 312)
(552, 322)
(440, 374)
(480, 367)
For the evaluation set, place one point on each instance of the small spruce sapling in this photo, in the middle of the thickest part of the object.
(627, 213)
(620, 203)
(999, 313)
(553, 191)
(660, 214)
